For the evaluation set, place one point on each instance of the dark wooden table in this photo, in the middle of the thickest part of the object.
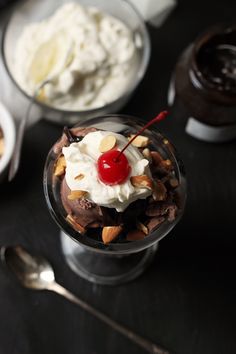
(186, 300)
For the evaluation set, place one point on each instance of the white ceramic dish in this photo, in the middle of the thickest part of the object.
(9, 133)
(33, 11)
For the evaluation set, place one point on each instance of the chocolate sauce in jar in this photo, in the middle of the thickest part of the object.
(204, 84)
(216, 61)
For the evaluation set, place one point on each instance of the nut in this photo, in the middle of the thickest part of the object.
(110, 233)
(107, 143)
(147, 154)
(60, 166)
(75, 224)
(135, 235)
(142, 181)
(142, 228)
(161, 209)
(163, 166)
(77, 194)
(156, 157)
(79, 177)
(140, 141)
(160, 191)
(173, 182)
(167, 165)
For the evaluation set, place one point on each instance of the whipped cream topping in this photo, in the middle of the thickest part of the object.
(81, 158)
(89, 57)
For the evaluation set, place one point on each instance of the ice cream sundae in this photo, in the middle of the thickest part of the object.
(114, 187)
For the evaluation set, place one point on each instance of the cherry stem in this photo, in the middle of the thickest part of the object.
(158, 118)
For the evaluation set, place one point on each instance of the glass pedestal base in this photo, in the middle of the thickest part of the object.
(105, 269)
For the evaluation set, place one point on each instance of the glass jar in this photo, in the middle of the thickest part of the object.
(204, 83)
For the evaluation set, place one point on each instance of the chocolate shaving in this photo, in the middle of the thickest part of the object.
(110, 216)
(64, 141)
(160, 209)
(170, 181)
(132, 213)
(71, 137)
(164, 168)
(156, 158)
(135, 235)
(172, 210)
(155, 222)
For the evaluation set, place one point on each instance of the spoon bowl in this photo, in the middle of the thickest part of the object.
(33, 272)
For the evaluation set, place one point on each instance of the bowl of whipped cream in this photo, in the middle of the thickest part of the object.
(76, 59)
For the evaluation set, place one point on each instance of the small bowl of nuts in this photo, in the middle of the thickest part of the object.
(7, 139)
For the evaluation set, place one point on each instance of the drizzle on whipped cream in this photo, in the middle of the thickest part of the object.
(81, 158)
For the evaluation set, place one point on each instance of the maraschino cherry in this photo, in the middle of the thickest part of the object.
(113, 166)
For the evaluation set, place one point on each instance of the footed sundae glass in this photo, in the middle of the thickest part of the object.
(125, 258)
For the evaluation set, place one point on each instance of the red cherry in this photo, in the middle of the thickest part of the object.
(113, 166)
(111, 169)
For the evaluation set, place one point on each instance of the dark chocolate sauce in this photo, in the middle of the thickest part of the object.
(216, 61)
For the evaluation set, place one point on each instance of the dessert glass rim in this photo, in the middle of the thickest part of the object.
(116, 248)
(131, 87)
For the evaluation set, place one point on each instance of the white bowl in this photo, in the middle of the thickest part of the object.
(29, 11)
(9, 134)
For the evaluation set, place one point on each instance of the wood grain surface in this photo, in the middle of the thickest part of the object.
(186, 300)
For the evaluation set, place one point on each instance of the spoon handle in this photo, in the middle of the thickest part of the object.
(142, 342)
(15, 160)
(14, 164)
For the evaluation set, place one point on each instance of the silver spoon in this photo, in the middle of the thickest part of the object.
(36, 273)
(15, 160)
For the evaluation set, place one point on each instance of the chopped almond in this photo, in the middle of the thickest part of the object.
(60, 166)
(142, 181)
(110, 233)
(140, 141)
(107, 143)
(160, 191)
(142, 227)
(75, 224)
(147, 154)
(79, 177)
(77, 194)
(166, 141)
(173, 182)
(167, 165)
